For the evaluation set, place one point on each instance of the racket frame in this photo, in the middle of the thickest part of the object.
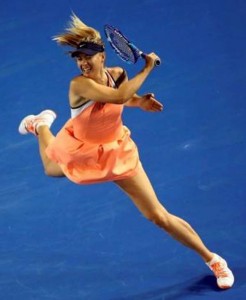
(135, 50)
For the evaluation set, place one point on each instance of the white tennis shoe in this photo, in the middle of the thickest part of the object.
(31, 123)
(218, 265)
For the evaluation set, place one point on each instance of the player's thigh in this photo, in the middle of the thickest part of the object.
(141, 192)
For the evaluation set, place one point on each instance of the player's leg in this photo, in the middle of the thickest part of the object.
(45, 137)
(39, 125)
(140, 190)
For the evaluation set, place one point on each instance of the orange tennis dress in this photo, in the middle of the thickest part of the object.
(94, 146)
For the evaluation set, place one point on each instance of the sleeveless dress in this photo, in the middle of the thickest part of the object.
(94, 146)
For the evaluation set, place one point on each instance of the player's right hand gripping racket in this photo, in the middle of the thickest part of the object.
(126, 50)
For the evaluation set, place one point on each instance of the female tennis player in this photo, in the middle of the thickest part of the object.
(94, 146)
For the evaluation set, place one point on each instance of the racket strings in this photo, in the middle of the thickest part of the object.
(121, 46)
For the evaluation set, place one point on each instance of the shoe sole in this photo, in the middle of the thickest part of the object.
(22, 127)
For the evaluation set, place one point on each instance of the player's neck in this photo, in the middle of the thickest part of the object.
(100, 76)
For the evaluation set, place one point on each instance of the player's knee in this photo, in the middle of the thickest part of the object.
(50, 171)
(160, 219)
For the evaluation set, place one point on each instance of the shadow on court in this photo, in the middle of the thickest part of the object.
(184, 290)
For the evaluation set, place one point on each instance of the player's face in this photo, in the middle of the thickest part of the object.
(89, 64)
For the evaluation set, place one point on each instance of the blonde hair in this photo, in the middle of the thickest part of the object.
(78, 32)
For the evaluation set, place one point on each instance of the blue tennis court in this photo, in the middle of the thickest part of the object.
(69, 242)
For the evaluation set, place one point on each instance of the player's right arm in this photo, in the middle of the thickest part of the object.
(82, 88)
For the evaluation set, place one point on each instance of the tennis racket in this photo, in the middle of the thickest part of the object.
(125, 49)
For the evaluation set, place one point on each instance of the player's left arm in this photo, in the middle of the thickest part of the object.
(146, 102)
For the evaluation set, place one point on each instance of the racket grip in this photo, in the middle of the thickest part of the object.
(157, 61)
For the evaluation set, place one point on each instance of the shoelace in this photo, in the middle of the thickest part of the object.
(219, 269)
(30, 125)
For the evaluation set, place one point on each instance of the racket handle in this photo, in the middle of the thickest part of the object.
(157, 61)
